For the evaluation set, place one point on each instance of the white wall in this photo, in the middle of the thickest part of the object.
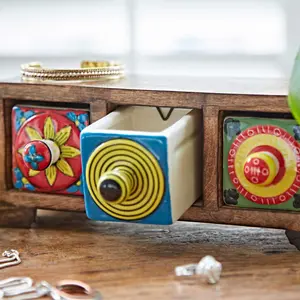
(240, 38)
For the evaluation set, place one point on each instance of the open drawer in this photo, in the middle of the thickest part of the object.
(138, 167)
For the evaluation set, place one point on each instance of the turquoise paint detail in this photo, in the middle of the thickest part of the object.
(33, 158)
(21, 181)
(81, 121)
(89, 141)
(77, 187)
(21, 116)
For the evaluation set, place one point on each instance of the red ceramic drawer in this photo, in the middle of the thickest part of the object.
(46, 148)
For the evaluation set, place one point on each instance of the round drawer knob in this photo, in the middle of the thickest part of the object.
(40, 154)
(116, 185)
(262, 166)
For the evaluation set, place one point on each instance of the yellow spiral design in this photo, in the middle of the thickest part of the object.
(135, 169)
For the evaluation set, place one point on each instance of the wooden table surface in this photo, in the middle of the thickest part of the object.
(126, 261)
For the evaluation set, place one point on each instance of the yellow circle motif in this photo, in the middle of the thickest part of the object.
(290, 161)
(144, 177)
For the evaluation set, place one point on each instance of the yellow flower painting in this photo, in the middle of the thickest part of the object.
(60, 138)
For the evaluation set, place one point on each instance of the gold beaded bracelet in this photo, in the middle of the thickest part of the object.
(89, 70)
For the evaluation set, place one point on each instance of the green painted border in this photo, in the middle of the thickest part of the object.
(246, 122)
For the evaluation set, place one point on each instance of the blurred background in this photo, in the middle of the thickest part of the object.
(227, 38)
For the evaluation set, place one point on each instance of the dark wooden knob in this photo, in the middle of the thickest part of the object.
(110, 190)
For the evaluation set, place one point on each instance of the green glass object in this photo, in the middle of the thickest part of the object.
(294, 90)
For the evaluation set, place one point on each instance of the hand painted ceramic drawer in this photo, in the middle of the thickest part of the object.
(138, 167)
(261, 163)
(46, 149)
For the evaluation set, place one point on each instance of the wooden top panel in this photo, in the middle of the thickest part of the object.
(216, 85)
(226, 93)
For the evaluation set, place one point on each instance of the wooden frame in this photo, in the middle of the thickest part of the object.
(103, 97)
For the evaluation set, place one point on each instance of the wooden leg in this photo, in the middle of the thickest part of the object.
(17, 217)
(293, 237)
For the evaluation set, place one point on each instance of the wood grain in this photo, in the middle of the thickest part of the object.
(42, 200)
(133, 92)
(6, 119)
(137, 262)
(3, 143)
(245, 216)
(220, 85)
(11, 216)
(98, 109)
(210, 162)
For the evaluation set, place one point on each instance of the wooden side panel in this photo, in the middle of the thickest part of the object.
(9, 214)
(210, 155)
(7, 109)
(3, 150)
(98, 109)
